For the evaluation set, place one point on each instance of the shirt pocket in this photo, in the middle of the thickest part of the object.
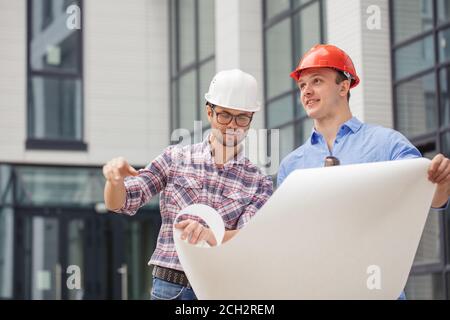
(234, 202)
(185, 191)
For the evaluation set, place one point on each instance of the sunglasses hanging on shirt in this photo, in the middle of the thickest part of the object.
(331, 161)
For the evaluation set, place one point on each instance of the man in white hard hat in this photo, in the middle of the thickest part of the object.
(215, 173)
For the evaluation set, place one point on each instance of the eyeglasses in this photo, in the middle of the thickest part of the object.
(225, 118)
(331, 161)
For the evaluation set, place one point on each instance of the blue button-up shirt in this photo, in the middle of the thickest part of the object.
(356, 142)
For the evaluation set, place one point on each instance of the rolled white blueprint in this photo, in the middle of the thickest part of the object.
(344, 232)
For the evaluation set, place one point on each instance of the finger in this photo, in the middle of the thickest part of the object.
(188, 230)
(196, 233)
(212, 238)
(443, 176)
(435, 162)
(118, 163)
(114, 163)
(446, 181)
(108, 172)
(440, 171)
(434, 165)
(204, 236)
(444, 170)
(105, 171)
(113, 177)
(132, 171)
(117, 175)
(182, 224)
(122, 164)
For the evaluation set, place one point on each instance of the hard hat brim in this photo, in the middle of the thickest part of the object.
(296, 75)
(245, 109)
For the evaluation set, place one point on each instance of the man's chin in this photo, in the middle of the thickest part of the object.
(230, 140)
(230, 143)
(312, 114)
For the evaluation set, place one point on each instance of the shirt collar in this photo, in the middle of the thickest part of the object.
(354, 124)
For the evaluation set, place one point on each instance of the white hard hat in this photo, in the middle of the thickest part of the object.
(234, 89)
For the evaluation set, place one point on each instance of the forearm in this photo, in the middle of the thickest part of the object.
(440, 197)
(115, 195)
(227, 236)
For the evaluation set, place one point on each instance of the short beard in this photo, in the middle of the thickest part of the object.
(225, 142)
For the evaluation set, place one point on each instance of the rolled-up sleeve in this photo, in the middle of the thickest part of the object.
(400, 148)
(263, 193)
(150, 182)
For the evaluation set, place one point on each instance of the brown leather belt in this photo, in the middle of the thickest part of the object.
(171, 275)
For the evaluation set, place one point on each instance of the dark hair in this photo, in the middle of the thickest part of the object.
(342, 77)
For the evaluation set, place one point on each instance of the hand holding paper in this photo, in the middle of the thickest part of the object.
(195, 232)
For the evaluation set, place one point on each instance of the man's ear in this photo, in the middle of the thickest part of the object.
(345, 87)
(209, 112)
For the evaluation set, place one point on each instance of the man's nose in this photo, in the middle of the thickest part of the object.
(232, 125)
(306, 94)
(307, 90)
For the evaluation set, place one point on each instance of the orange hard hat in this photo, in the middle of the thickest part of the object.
(327, 56)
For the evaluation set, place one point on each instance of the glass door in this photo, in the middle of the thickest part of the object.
(140, 242)
(72, 255)
(42, 259)
(58, 255)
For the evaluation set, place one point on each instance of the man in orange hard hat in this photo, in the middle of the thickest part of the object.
(324, 77)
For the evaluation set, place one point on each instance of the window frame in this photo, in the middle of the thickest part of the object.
(46, 143)
(297, 121)
(178, 73)
(431, 141)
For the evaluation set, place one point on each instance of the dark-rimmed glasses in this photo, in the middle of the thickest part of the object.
(225, 118)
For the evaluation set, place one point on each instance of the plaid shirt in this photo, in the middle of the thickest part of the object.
(186, 175)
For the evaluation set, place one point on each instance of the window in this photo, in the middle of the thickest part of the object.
(55, 88)
(192, 44)
(425, 287)
(291, 27)
(421, 63)
(6, 233)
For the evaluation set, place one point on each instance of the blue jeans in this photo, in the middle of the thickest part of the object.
(402, 296)
(163, 290)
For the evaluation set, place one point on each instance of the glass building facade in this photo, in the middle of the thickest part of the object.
(192, 54)
(57, 240)
(420, 68)
(291, 27)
